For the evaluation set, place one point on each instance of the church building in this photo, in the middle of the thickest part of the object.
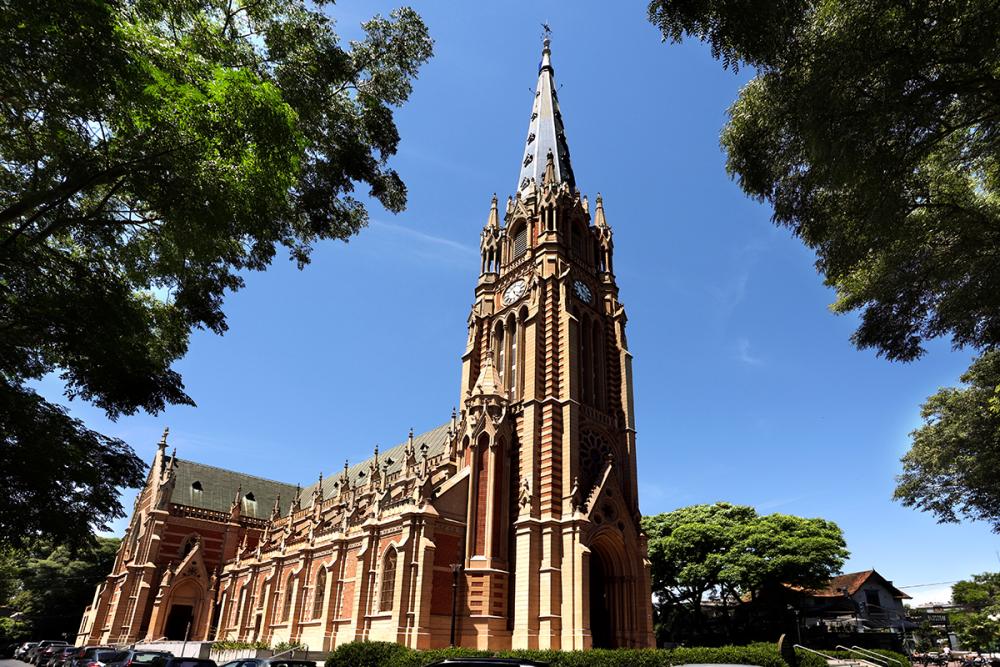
(514, 524)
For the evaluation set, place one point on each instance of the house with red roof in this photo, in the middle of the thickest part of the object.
(857, 601)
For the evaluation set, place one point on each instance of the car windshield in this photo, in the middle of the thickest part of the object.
(148, 657)
(107, 656)
(193, 662)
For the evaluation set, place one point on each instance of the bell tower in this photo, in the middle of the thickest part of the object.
(554, 554)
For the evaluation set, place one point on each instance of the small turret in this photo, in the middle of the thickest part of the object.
(236, 508)
(599, 219)
(161, 449)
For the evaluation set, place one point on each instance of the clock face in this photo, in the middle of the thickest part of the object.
(514, 292)
(582, 291)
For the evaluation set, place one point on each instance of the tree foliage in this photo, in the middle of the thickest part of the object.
(978, 626)
(47, 587)
(731, 553)
(151, 151)
(951, 469)
(873, 131)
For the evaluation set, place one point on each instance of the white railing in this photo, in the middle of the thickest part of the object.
(883, 662)
(304, 647)
(874, 655)
(829, 658)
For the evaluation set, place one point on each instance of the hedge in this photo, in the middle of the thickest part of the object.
(388, 654)
(807, 659)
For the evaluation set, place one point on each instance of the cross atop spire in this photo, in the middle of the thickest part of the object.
(545, 130)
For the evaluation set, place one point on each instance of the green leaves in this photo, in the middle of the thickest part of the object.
(45, 586)
(978, 628)
(872, 131)
(164, 148)
(730, 552)
(950, 470)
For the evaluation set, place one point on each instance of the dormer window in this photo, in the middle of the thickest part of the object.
(196, 486)
(250, 497)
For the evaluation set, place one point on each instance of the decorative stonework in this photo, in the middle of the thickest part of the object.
(528, 490)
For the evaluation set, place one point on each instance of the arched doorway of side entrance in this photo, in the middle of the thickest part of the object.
(607, 594)
(601, 630)
(185, 603)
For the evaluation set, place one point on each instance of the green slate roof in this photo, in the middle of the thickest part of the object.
(436, 440)
(219, 487)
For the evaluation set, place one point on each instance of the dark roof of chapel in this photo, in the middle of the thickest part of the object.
(219, 486)
(436, 440)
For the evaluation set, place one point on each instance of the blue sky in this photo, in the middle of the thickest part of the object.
(747, 388)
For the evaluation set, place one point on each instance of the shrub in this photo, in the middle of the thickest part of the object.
(807, 659)
(888, 654)
(387, 654)
(238, 646)
(366, 654)
(812, 660)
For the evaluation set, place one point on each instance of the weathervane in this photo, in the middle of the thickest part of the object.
(546, 31)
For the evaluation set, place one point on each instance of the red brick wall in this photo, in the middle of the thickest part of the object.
(482, 489)
(445, 554)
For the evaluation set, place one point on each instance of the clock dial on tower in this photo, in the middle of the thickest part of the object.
(582, 291)
(514, 292)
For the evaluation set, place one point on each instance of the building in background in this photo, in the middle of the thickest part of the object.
(513, 524)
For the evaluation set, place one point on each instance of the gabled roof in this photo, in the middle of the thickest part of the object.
(852, 582)
(545, 132)
(435, 439)
(219, 487)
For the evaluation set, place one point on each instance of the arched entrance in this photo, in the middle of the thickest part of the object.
(601, 628)
(185, 601)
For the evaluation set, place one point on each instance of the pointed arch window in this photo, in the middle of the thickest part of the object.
(238, 607)
(388, 589)
(286, 612)
(187, 546)
(500, 350)
(319, 593)
(520, 241)
(513, 357)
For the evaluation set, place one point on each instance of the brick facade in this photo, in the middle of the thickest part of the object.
(530, 488)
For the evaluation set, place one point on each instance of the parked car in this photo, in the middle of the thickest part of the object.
(60, 655)
(270, 662)
(85, 654)
(99, 657)
(129, 658)
(44, 650)
(22, 653)
(182, 662)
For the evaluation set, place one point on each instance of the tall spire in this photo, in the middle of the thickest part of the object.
(545, 131)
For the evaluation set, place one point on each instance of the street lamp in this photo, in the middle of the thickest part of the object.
(798, 627)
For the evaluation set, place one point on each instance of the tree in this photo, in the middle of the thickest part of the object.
(978, 627)
(872, 129)
(152, 152)
(730, 553)
(982, 591)
(47, 587)
(951, 469)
